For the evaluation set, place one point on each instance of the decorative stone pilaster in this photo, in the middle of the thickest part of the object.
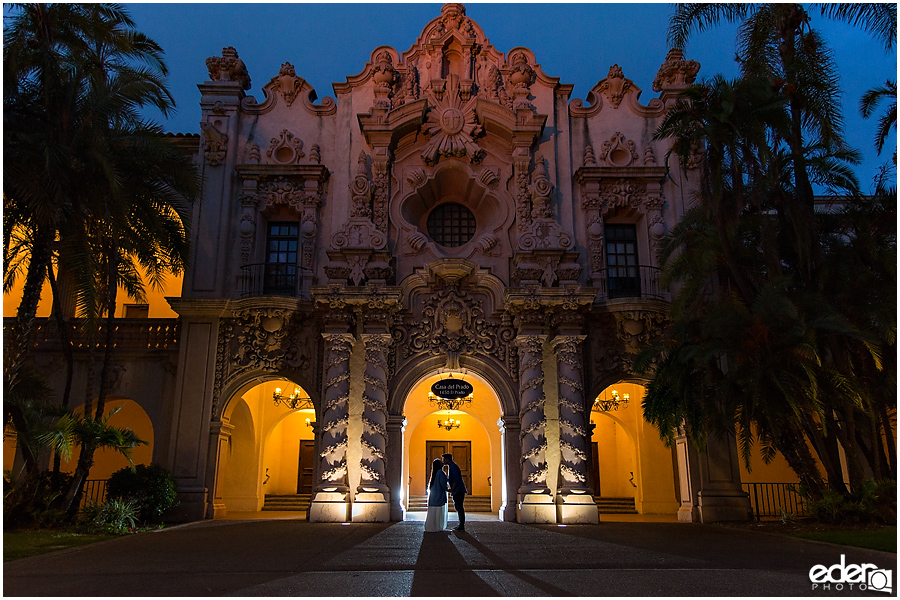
(332, 500)
(510, 445)
(396, 424)
(372, 502)
(575, 503)
(535, 505)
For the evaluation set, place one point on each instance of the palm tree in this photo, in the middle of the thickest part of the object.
(86, 175)
(870, 101)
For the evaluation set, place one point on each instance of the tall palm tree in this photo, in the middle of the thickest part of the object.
(85, 174)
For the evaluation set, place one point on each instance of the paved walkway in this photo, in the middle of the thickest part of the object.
(289, 557)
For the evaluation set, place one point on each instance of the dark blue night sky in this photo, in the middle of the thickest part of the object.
(575, 42)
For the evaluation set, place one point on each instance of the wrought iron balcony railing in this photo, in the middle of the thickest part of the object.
(269, 279)
(635, 281)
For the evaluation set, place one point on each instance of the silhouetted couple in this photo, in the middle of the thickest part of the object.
(438, 486)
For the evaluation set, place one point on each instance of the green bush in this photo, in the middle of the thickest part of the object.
(870, 501)
(113, 516)
(152, 488)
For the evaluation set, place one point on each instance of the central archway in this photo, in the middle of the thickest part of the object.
(479, 436)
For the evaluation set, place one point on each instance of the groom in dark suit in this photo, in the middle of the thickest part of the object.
(457, 490)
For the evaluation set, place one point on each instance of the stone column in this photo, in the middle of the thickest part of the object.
(721, 497)
(331, 503)
(373, 495)
(510, 450)
(535, 505)
(574, 503)
(395, 427)
(688, 478)
(219, 438)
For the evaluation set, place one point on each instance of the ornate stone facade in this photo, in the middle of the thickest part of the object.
(324, 255)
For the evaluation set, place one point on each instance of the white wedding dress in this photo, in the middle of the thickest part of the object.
(436, 517)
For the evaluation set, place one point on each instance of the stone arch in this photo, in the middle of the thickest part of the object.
(133, 416)
(419, 368)
(225, 435)
(489, 470)
(238, 385)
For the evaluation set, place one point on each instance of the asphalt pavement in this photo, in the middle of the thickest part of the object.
(290, 557)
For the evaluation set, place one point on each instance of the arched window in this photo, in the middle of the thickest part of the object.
(451, 225)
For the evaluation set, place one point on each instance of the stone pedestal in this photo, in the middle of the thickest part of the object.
(371, 507)
(576, 508)
(193, 505)
(537, 508)
(330, 507)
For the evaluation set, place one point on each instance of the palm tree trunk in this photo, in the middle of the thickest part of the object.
(792, 445)
(888, 440)
(86, 457)
(66, 340)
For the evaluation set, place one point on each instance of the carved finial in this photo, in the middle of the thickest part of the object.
(589, 160)
(228, 67)
(361, 189)
(361, 163)
(675, 72)
(315, 155)
(615, 86)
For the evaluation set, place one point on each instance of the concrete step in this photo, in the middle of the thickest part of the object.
(473, 504)
(290, 502)
(609, 505)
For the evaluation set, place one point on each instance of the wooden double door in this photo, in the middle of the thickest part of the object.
(305, 470)
(462, 456)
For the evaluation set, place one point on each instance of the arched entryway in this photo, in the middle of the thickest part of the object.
(476, 444)
(266, 451)
(631, 468)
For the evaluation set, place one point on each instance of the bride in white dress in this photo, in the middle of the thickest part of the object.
(436, 518)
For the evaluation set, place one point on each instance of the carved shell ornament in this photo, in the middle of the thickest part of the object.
(615, 86)
(285, 149)
(452, 126)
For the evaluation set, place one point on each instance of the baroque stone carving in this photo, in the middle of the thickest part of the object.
(615, 86)
(374, 417)
(618, 151)
(285, 149)
(452, 127)
(287, 83)
(573, 455)
(520, 76)
(543, 232)
(675, 71)
(215, 144)
(452, 322)
(228, 67)
(384, 74)
(335, 412)
(531, 414)
(270, 340)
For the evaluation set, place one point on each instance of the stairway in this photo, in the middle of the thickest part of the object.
(290, 502)
(473, 504)
(621, 506)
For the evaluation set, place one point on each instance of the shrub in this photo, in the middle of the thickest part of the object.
(870, 501)
(152, 488)
(113, 516)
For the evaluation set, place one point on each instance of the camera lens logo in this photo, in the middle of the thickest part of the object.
(881, 581)
(855, 577)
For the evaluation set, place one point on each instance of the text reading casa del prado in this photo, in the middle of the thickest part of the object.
(451, 212)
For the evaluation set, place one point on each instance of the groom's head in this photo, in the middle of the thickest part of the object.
(448, 458)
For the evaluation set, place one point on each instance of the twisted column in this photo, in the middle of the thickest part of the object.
(531, 413)
(335, 412)
(374, 417)
(572, 431)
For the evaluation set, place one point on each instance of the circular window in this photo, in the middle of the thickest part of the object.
(451, 225)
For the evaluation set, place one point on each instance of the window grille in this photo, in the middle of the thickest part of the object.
(451, 225)
(281, 257)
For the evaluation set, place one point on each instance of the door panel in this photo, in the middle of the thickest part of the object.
(305, 470)
(462, 456)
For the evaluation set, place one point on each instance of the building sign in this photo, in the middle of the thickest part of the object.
(452, 388)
